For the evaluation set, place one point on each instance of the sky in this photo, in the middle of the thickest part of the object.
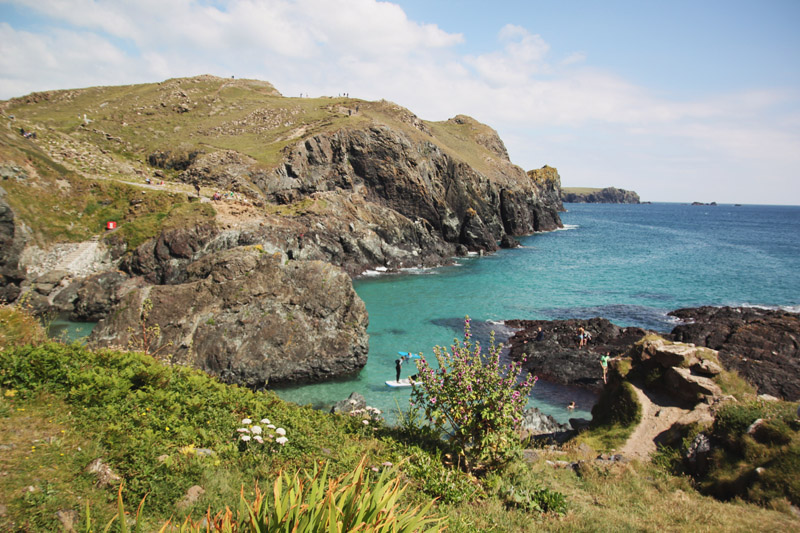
(677, 100)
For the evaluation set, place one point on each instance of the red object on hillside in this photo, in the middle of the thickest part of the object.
(111, 225)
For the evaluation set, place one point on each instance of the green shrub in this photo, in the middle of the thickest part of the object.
(617, 405)
(474, 401)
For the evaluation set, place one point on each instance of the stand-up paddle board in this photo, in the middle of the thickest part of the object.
(401, 383)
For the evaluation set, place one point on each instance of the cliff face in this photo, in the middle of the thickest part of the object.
(12, 242)
(348, 183)
(609, 195)
(248, 318)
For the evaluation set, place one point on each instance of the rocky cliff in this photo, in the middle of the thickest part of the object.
(609, 195)
(194, 169)
(248, 317)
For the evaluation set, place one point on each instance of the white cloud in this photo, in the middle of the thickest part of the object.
(564, 111)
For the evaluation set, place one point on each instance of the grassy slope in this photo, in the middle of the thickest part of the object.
(147, 118)
(580, 190)
(62, 406)
(103, 163)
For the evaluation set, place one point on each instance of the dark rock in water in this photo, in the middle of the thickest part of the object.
(248, 318)
(762, 345)
(535, 422)
(509, 242)
(557, 357)
(354, 402)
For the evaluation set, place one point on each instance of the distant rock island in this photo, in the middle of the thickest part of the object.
(588, 195)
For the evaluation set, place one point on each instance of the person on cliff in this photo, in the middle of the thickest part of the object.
(539, 334)
(604, 363)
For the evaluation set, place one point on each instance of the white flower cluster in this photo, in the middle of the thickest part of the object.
(255, 433)
(368, 414)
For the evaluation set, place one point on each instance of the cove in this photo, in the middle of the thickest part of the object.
(631, 264)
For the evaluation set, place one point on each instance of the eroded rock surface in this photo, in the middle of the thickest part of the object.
(762, 345)
(248, 318)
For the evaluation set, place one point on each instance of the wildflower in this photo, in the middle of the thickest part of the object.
(280, 431)
(245, 438)
(258, 439)
(265, 421)
(256, 430)
(243, 430)
(246, 421)
(281, 440)
(365, 422)
(270, 426)
(386, 463)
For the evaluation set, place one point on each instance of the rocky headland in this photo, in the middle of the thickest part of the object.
(608, 195)
(761, 345)
(240, 215)
(557, 357)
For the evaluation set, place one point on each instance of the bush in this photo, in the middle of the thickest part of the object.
(311, 502)
(474, 401)
(617, 405)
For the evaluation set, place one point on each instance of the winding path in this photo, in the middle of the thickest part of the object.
(659, 413)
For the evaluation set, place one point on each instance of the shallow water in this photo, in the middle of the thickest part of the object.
(631, 264)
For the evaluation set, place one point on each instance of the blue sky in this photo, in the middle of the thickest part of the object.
(680, 101)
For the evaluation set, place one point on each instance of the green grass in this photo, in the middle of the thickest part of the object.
(61, 406)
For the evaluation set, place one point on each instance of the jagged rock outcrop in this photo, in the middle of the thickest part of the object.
(762, 345)
(162, 260)
(557, 357)
(247, 317)
(534, 422)
(685, 370)
(609, 195)
(417, 179)
(13, 236)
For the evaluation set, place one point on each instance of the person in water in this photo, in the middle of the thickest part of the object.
(571, 406)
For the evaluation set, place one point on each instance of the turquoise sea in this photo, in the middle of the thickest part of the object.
(631, 264)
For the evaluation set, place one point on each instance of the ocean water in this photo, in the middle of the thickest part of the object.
(631, 264)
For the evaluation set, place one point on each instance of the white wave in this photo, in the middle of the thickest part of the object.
(787, 308)
(568, 227)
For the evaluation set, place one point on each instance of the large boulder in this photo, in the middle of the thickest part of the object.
(535, 422)
(762, 345)
(249, 318)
